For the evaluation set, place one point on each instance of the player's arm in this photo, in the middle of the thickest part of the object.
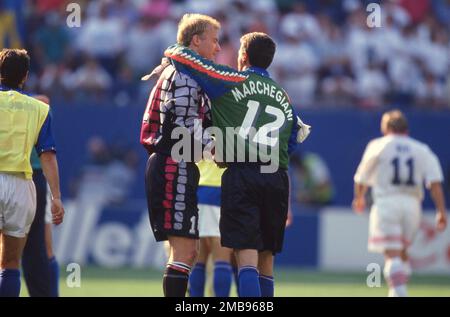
(148, 130)
(437, 195)
(359, 197)
(433, 179)
(363, 176)
(213, 78)
(46, 149)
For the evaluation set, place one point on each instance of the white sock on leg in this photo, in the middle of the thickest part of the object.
(407, 268)
(396, 277)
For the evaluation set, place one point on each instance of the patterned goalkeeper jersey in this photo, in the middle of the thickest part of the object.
(175, 101)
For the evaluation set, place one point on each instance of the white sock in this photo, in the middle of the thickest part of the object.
(396, 277)
(407, 268)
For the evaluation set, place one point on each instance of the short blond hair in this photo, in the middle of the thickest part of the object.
(394, 121)
(194, 24)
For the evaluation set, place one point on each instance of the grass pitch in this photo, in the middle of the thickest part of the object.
(288, 283)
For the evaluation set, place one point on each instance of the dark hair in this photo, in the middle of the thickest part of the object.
(260, 49)
(14, 66)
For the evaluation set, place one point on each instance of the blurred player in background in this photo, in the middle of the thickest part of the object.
(208, 226)
(171, 187)
(396, 166)
(41, 270)
(254, 205)
(25, 123)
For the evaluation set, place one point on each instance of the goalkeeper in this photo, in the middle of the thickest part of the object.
(255, 193)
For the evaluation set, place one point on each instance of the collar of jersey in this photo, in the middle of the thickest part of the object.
(259, 71)
(6, 88)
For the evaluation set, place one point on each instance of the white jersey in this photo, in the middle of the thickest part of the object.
(398, 164)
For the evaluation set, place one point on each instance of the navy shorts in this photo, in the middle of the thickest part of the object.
(254, 208)
(171, 189)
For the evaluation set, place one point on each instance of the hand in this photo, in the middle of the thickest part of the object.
(289, 218)
(359, 204)
(303, 131)
(219, 164)
(57, 211)
(441, 221)
(158, 70)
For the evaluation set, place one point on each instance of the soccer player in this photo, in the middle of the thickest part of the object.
(25, 124)
(254, 204)
(171, 186)
(396, 166)
(40, 268)
(208, 226)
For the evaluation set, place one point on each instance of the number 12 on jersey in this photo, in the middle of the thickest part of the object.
(263, 135)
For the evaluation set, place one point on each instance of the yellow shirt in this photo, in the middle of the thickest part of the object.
(21, 120)
(210, 174)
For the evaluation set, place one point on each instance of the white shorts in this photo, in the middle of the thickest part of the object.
(48, 207)
(394, 222)
(17, 205)
(208, 221)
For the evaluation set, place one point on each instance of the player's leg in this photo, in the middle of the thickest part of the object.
(197, 277)
(35, 264)
(12, 248)
(406, 264)
(386, 236)
(235, 269)
(274, 211)
(171, 190)
(265, 267)
(53, 263)
(222, 268)
(412, 213)
(176, 275)
(248, 273)
(394, 273)
(209, 228)
(240, 224)
(17, 211)
(180, 223)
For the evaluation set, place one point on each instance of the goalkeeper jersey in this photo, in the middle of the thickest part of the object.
(248, 102)
(175, 101)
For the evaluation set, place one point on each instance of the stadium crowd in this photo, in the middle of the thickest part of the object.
(327, 56)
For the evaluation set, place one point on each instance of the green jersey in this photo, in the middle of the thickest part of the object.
(253, 113)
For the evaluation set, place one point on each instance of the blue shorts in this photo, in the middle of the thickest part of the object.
(209, 195)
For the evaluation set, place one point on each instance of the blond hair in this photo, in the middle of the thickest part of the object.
(194, 24)
(394, 121)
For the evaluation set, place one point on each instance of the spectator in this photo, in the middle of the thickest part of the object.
(92, 79)
(323, 36)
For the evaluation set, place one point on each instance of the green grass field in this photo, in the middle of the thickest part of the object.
(289, 282)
